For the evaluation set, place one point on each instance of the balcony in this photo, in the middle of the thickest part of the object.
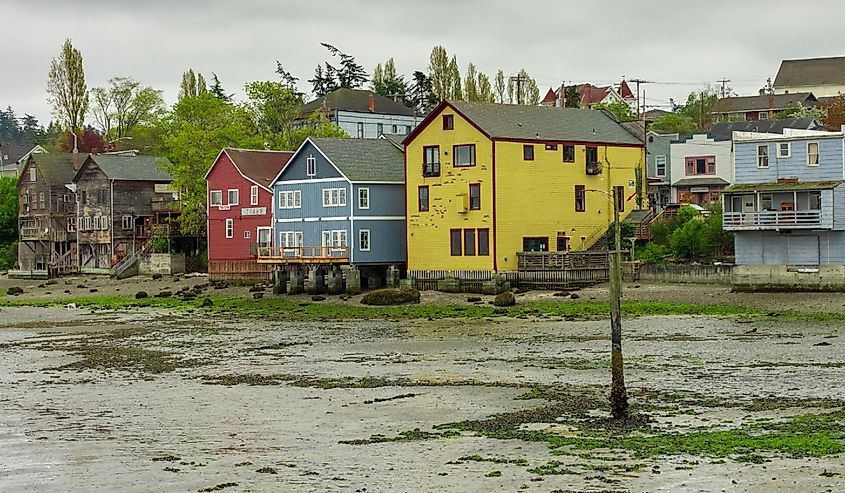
(34, 233)
(303, 255)
(167, 204)
(593, 168)
(773, 220)
(430, 169)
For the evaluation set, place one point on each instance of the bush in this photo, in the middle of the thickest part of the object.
(504, 299)
(689, 242)
(660, 232)
(626, 230)
(383, 297)
(8, 256)
(652, 254)
(685, 215)
(160, 244)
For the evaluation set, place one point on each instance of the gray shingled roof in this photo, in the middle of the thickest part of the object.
(133, 168)
(724, 131)
(364, 159)
(811, 72)
(545, 123)
(356, 100)
(57, 168)
(763, 102)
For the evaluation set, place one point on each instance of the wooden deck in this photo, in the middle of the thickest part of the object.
(303, 255)
(545, 261)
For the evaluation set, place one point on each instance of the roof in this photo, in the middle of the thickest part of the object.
(259, 166)
(539, 123)
(699, 181)
(625, 91)
(775, 187)
(763, 102)
(723, 131)
(395, 139)
(591, 94)
(364, 160)
(13, 152)
(57, 168)
(551, 97)
(358, 101)
(811, 72)
(132, 168)
(635, 128)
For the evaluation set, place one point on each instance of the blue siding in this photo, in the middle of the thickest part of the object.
(838, 206)
(387, 241)
(312, 199)
(295, 170)
(795, 166)
(385, 200)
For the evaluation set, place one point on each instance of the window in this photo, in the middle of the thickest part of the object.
(528, 152)
(71, 224)
(562, 243)
(335, 238)
(535, 244)
(380, 128)
(455, 242)
(568, 153)
(815, 199)
(360, 130)
(230, 228)
(334, 197)
(592, 155)
(233, 196)
(363, 198)
(215, 197)
(86, 223)
(407, 129)
(41, 202)
(431, 161)
(484, 242)
(660, 165)
(474, 196)
(364, 240)
(253, 195)
(619, 197)
(812, 153)
(700, 165)
(551, 147)
(395, 129)
(448, 122)
(126, 222)
(311, 165)
(762, 115)
(422, 198)
(290, 199)
(463, 155)
(762, 156)
(580, 198)
(290, 239)
(469, 242)
(32, 173)
(247, 234)
(784, 149)
(766, 202)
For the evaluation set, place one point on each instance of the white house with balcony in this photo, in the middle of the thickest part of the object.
(787, 206)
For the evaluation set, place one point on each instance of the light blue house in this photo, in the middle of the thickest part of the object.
(341, 202)
(787, 204)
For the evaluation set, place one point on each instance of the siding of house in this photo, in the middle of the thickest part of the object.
(804, 248)
(820, 91)
(659, 146)
(374, 124)
(830, 161)
(225, 176)
(701, 145)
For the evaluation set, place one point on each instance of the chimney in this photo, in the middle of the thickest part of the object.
(372, 103)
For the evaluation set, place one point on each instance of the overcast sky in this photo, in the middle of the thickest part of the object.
(680, 45)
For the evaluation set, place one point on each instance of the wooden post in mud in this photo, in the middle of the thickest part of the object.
(618, 394)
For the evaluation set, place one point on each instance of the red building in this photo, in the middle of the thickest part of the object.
(240, 211)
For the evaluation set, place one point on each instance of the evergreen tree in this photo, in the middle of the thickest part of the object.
(422, 97)
(319, 84)
(387, 83)
(10, 130)
(217, 90)
(573, 97)
(350, 75)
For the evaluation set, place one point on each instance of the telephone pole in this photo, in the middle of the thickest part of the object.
(638, 82)
(518, 78)
(723, 81)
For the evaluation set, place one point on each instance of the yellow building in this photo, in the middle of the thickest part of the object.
(485, 181)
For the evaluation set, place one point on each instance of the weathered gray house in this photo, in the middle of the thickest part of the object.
(47, 213)
(121, 199)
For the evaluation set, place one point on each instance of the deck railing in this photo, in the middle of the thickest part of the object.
(303, 254)
(771, 219)
(166, 205)
(561, 260)
(35, 233)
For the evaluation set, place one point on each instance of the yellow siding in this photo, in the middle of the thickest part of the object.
(537, 198)
(428, 232)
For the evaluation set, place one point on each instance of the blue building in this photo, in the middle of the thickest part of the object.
(787, 204)
(341, 202)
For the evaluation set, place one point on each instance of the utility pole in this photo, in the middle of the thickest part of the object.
(638, 82)
(618, 394)
(518, 78)
(563, 94)
(723, 81)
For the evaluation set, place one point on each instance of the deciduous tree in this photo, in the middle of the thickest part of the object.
(674, 123)
(835, 112)
(620, 110)
(193, 84)
(66, 88)
(471, 84)
(500, 88)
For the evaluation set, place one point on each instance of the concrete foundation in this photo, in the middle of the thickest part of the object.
(497, 285)
(162, 263)
(392, 279)
(280, 281)
(353, 280)
(449, 285)
(335, 281)
(296, 281)
(315, 284)
(782, 278)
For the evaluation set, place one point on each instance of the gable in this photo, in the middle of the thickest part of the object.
(297, 166)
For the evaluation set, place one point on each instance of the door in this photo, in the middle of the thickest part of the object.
(263, 236)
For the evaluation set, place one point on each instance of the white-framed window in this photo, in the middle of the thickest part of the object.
(762, 115)
(290, 239)
(364, 240)
(105, 222)
(215, 197)
(763, 156)
(230, 228)
(290, 199)
(363, 198)
(87, 222)
(335, 238)
(660, 165)
(334, 197)
(311, 165)
(41, 202)
(71, 224)
(360, 130)
(247, 234)
(32, 173)
(812, 153)
(253, 195)
(95, 223)
(126, 222)
(233, 195)
(784, 149)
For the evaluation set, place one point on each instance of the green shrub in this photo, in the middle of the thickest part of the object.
(685, 215)
(626, 230)
(8, 256)
(689, 242)
(660, 232)
(160, 244)
(383, 297)
(652, 254)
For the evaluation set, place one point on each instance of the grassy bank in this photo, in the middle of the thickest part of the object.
(290, 309)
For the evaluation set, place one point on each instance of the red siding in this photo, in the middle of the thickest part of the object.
(225, 176)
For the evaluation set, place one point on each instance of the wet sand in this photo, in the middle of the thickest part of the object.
(146, 401)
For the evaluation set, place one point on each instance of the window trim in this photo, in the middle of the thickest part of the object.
(448, 122)
(433, 164)
(330, 202)
(476, 186)
(253, 195)
(528, 152)
(361, 238)
(460, 243)
(364, 195)
(762, 115)
(587, 154)
(582, 191)
(473, 161)
(761, 157)
(818, 154)
(486, 244)
(568, 146)
(360, 130)
(427, 198)
(469, 240)
(619, 193)
(33, 174)
(211, 198)
(310, 165)
(290, 201)
(657, 165)
(551, 146)
(788, 149)
(230, 228)
(229, 196)
(247, 234)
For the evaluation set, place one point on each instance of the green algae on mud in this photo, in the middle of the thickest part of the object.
(284, 308)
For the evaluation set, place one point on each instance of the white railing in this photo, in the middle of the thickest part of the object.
(306, 254)
(772, 219)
